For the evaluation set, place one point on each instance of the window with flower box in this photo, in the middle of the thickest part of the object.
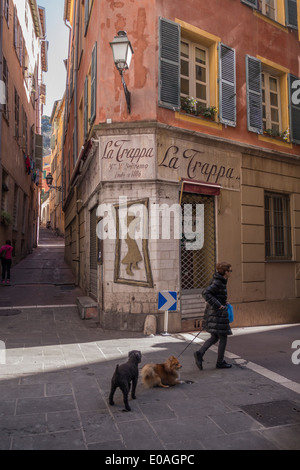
(271, 104)
(196, 72)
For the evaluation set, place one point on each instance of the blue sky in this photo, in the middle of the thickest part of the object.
(58, 36)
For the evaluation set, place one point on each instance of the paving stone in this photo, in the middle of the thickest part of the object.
(44, 405)
(69, 440)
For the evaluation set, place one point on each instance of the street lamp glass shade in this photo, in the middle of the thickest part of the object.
(122, 51)
(49, 179)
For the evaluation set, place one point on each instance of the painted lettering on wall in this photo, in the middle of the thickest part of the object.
(128, 158)
(196, 165)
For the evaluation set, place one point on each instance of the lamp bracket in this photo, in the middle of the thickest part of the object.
(127, 92)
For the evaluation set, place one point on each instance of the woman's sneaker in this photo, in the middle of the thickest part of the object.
(223, 365)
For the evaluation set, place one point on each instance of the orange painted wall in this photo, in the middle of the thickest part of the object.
(235, 24)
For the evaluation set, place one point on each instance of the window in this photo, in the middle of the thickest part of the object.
(24, 213)
(24, 131)
(283, 12)
(87, 11)
(268, 8)
(194, 76)
(80, 124)
(195, 64)
(5, 80)
(6, 11)
(271, 103)
(17, 114)
(90, 94)
(277, 227)
(15, 207)
(270, 96)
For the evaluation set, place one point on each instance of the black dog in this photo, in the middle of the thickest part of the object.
(123, 376)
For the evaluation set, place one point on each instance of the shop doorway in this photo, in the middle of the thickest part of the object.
(93, 291)
(197, 265)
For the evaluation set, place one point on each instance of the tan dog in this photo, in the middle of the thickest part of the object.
(161, 375)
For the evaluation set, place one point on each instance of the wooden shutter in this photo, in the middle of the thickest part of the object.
(169, 64)
(227, 85)
(93, 83)
(294, 101)
(15, 28)
(86, 15)
(251, 3)
(254, 94)
(291, 13)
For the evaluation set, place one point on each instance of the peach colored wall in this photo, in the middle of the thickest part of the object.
(233, 22)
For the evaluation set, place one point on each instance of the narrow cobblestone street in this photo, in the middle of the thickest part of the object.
(55, 380)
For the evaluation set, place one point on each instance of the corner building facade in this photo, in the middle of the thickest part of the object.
(214, 127)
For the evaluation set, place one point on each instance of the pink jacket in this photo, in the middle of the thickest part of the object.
(8, 249)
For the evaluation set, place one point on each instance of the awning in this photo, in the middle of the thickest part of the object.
(199, 187)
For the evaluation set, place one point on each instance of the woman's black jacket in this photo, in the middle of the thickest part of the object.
(216, 320)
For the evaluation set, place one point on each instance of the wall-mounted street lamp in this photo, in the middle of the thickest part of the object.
(122, 53)
(49, 181)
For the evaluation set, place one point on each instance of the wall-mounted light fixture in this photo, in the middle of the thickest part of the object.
(49, 181)
(122, 53)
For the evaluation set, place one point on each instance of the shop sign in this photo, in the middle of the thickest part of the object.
(183, 159)
(126, 157)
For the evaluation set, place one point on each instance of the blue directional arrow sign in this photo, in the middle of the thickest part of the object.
(167, 300)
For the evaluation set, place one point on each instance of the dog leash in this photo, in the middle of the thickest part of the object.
(191, 341)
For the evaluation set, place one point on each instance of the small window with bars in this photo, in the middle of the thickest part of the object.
(277, 227)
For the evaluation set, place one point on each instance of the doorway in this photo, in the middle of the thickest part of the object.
(93, 290)
(197, 266)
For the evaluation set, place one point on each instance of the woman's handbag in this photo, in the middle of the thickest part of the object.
(230, 313)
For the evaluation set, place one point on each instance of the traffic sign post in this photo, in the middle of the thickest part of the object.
(167, 301)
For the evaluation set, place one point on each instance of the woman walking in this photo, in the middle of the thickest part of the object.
(216, 320)
(5, 254)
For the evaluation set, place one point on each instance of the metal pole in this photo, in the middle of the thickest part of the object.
(166, 323)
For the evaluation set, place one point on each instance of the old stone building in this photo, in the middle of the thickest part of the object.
(202, 165)
(23, 50)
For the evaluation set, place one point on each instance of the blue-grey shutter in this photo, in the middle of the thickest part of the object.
(251, 3)
(294, 104)
(291, 13)
(227, 85)
(169, 64)
(86, 15)
(254, 94)
(15, 28)
(86, 107)
(93, 83)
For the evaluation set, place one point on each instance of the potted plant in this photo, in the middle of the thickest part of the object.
(208, 113)
(284, 135)
(191, 106)
(5, 218)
